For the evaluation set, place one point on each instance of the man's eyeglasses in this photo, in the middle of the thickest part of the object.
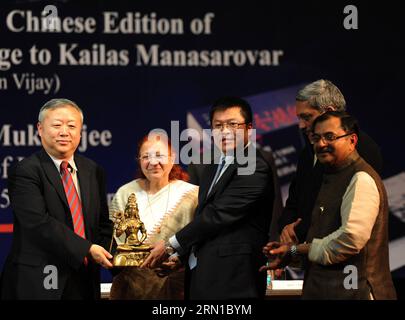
(149, 157)
(231, 125)
(327, 137)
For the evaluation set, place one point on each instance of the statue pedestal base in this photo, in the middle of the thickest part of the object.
(131, 256)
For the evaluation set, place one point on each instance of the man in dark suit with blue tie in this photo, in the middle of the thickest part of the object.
(222, 245)
(60, 213)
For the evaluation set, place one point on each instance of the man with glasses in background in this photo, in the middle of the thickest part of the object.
(313, 100)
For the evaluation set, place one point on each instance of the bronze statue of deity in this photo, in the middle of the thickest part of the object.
(131, 253)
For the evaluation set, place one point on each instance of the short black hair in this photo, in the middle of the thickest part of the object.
(348, 123)
(224, 103)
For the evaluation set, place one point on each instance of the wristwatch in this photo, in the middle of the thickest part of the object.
(169, 249)
(293, 250)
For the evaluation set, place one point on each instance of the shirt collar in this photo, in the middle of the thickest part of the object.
(57, 163)
(228, 159)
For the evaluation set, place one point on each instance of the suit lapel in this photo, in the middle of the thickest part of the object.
(209, 173)
(53, 175)
(228, 174)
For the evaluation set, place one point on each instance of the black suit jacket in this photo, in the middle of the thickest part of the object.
(228, 232)
(43, 228)
(197, 171)
(304, 187)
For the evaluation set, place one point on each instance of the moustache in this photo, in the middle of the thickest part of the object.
(327, 149)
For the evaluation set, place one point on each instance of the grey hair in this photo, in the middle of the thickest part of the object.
(57, 103)
(321, 94)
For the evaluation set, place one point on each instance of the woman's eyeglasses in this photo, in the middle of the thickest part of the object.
(149, 157)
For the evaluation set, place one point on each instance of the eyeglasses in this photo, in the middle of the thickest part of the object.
(149, 157)
(327, 137)
(231, 125)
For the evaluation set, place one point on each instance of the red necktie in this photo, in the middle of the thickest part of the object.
(73, 201)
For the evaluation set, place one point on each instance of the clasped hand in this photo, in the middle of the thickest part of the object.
(159, 259)
(278, 255)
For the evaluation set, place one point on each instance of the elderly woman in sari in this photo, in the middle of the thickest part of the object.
(166, 203)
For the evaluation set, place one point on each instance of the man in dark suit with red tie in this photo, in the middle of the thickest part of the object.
(222, 244)
(60, 215)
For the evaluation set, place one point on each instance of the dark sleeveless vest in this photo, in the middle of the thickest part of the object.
(372, 262)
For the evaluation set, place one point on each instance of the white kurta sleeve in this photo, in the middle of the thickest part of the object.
(359, 210)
